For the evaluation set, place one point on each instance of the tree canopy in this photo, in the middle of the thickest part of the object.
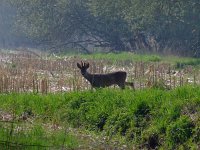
(128, 25)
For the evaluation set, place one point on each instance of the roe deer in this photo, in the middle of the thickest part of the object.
(104, 80)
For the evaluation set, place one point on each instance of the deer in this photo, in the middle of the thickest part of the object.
(104, 80)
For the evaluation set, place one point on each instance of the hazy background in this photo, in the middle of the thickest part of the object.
(150, 26)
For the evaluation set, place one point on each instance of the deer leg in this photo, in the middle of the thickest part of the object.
(121, 85)
(131, 84)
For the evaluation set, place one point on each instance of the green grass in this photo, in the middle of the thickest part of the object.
(178, 62)
(34, 136)
(181, 62)
(124, 56)
(37, 131)
(167, 119)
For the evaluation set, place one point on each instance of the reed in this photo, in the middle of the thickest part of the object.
(26, 72)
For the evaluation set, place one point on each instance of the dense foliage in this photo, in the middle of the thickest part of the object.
(146, 119)
(118, 25)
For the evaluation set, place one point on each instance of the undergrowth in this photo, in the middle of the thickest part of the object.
(148, 119)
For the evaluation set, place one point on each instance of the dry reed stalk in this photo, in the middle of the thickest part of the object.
(170, 77)
(153, 73)
(174, 81)
(142, 69)
(34, 86)
(18, 71)
(6, 84)
(44, 86)
(70, 85)
(194, 77)
(135, 70)
(140, 82)
(73, 85)
(75, 76)
(101, 67)
(1, 85)
(180, 80)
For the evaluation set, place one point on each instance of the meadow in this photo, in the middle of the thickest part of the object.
(106, 118)
(46, 104)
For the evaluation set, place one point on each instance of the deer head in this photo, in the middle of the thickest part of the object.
(83, 67)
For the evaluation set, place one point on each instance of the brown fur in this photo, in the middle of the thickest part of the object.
(104, 80)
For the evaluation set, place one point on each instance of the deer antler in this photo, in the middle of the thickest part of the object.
(86, 65)
(82, 64)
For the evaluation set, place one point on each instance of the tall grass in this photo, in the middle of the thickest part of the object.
(30, 121)
(34, 136)
(149, 118)
(24, 72)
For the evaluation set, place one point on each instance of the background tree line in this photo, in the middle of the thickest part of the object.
(167, 26)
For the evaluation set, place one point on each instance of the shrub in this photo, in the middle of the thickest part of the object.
(196, 136)
(76, 103)
(119, 122)
(142, 109)
(151, 137)
(179, 131)
(101, 120)
(73, 117)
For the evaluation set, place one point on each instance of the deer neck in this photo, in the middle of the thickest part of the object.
(88, 76)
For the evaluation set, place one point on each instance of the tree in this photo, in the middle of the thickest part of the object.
(6, 23)
(73, 22)
(119, 25)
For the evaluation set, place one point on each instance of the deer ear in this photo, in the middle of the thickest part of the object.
(79, 66)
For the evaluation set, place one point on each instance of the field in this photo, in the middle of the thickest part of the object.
(46, 104)
(28, 71)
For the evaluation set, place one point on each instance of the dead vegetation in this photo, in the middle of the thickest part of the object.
(24, 71)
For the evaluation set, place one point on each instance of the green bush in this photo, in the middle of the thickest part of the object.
(150, 118)
(142, 109)
(100, 120)
(196, 137)
(119, 122)
(73, 117)
(76, 103)
(179, 131)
